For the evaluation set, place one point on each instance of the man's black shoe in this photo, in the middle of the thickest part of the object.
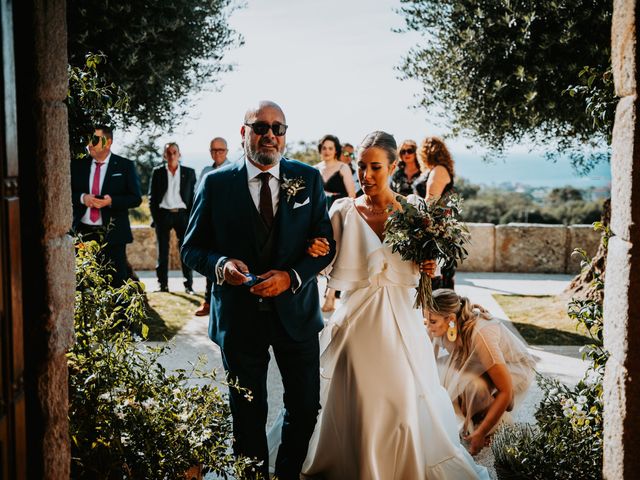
(189, 290)
(163, 288)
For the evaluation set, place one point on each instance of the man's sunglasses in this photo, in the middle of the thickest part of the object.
(217, 150)
(407, 151)
(349, 154)
(96, 139)
(261, 128)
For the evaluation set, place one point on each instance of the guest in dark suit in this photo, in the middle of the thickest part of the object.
(258, 216)
(104, 187)
(218, 150)
(170, 200)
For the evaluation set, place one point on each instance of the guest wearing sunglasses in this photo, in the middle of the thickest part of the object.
(218, 150)
(170, 202)
(408, 169)
(348, 157)
(249, 231)
(436, 181)
(338, 183)
(104, 187)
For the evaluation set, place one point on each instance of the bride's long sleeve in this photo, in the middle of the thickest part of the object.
(337, 219)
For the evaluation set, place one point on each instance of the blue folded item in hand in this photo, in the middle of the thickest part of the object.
(252, 279)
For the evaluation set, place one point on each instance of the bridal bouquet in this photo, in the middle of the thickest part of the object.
(430, 230)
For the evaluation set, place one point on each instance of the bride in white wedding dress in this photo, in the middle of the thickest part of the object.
(384, 413)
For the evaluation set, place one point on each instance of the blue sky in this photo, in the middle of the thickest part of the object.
(331, 65)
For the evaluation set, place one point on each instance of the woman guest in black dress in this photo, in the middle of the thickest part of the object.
(408, 168)
(338, 183)
(437, 180)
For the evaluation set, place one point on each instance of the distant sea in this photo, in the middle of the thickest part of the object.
(516, 169)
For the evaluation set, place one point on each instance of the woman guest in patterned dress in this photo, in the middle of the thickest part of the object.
(408, 169)
(338, 183)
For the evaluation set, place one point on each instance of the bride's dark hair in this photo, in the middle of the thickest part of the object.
(382, 140)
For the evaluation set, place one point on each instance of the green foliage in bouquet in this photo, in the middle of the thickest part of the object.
(129, 417)
(430, 230)
(566, 442)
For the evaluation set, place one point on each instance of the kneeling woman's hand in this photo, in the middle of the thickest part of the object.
(428, 267)
(477, 441)
(318, 247)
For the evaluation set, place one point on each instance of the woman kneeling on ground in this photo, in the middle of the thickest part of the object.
(483, 366)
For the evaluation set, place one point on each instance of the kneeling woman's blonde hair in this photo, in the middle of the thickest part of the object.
(447, 302)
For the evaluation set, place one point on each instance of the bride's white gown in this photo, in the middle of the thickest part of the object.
(384, 413)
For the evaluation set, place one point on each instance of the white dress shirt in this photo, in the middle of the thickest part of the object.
(172, 198)
(255, 183)
(254, 189)
(103, 172)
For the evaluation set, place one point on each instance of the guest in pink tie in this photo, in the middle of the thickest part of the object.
(104, 187)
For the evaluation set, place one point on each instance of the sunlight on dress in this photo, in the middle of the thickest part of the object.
(384, 413)
(467, 382)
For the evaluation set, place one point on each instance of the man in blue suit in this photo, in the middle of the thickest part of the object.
(256, 217)
(104, 187)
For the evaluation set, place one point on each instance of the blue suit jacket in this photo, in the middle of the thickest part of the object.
(220, 225)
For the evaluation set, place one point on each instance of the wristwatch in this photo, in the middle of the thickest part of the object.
(220, 269)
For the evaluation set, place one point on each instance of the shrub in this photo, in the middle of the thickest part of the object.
(566, 442)
(129, 417)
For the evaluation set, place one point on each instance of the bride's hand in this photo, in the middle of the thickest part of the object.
(428, 267)
(318, 247)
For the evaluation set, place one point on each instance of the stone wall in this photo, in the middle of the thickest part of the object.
(622, 282)
(48, 266)
(527, 247)
(515, 247)
(143, 251)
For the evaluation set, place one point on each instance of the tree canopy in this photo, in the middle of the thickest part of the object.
(506, 71)
(91, 101)
(158, 52)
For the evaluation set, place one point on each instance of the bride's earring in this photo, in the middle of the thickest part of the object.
(452, 331)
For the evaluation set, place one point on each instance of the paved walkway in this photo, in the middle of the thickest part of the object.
(563, 363)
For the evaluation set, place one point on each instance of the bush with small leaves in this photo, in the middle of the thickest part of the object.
(129, 416)
(566, 442)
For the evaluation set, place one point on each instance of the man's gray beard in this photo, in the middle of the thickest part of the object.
(261, 158)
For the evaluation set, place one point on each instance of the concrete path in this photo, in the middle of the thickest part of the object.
(564, 363)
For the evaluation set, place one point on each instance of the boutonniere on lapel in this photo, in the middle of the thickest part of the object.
(291, 186)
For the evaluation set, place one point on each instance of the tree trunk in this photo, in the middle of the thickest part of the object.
(581, 285)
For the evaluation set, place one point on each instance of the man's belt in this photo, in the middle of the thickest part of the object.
(174, 210)
(87, 227)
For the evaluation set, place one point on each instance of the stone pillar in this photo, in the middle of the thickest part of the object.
(622, 284)
(48, 282)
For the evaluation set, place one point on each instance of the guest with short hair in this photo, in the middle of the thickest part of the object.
(104, 187)
(218, 150)
(170, 201)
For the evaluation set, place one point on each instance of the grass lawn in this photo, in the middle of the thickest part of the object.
(141, 215)
(169, 312)
(543, 319)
